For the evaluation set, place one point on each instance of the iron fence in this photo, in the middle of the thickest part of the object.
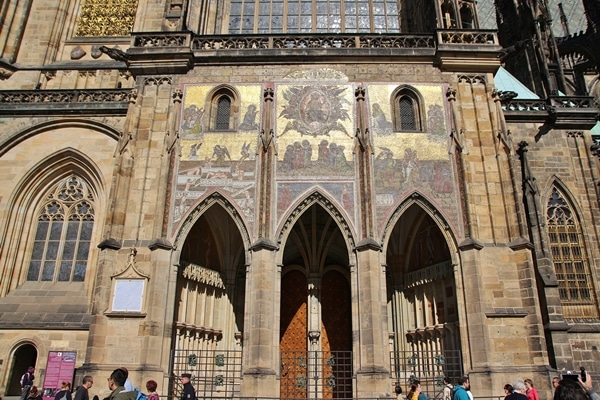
(429, 367)
(215, 373)
(316, 374)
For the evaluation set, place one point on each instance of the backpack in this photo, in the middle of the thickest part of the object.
(139, 395)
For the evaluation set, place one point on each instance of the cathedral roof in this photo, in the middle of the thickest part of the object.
(506, 82)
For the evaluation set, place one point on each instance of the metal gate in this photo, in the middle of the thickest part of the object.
(316, 374)
(429, 367)
(215, 373)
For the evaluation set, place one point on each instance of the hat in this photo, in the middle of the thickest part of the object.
(186, 375)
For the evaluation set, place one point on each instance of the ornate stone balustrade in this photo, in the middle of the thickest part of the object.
(162, 39)
(467, 37)
(572, 101)
(64, 96)
(313, 41)
(525, 105)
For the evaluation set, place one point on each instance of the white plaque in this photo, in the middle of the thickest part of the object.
(128, 295)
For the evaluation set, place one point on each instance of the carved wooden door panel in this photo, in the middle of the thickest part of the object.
(293, 334)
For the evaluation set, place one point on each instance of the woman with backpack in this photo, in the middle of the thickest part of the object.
(65, 392)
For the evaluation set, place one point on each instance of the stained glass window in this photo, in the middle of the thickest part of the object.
(570, 262)
(64, 231)
(313, 16)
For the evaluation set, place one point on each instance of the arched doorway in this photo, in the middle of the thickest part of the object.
(209, 310)
(422, 303)
(25, 356)
(316, 317)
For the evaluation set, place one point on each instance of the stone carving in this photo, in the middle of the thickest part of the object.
(203, 275)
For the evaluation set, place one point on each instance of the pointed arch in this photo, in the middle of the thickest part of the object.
(420, 200)
(408, 109)
(211, 199)
(30, 131)
(27, 200)
(569, 255)
(422, 297)
(223, 104)
(449, 20)
(467, 16)
(317, 197)
(208, 313)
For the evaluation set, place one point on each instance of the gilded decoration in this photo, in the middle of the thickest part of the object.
(106, 18)
(411, 161)
(221, 160)
(315, 138)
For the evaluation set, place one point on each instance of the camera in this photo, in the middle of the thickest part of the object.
(571, 375)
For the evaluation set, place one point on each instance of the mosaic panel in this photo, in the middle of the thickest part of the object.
(210, 159)
(315, 139)
(411, 161)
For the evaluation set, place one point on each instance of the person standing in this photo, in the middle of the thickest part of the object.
(82, 391)
(531, 392)
(151, 386)
(116, 383)
(65, 392)
(27, 382)
(447, 389)
(519, 390)
(461, 389)
(189, 393)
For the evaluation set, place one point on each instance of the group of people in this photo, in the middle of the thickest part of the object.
(118, 382)
(564, 389)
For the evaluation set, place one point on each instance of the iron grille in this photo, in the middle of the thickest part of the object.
(316, 374)
(215, 373)
(429, 367)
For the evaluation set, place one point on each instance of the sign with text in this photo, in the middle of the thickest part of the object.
(60, 368)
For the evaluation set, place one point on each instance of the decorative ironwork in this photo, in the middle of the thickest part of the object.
(316, 374)
(215, 374)
(220, 360)
(192, 360)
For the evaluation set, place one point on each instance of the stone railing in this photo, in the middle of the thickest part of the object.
(467, 37)
(162, 39)
(64, 96)
(553, 102)
(525, 105)
(572, 101)
(314, 41)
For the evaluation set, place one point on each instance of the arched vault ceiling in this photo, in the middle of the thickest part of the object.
(215, 242)
(315, 242)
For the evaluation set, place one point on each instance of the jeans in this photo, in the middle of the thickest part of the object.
(25, 392)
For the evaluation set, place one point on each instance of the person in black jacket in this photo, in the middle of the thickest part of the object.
(189, 393)
(27, 382)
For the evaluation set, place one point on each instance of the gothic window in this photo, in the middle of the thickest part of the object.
(64, 230)
(449, 14)
(106, 18)
(408, 108)
(313, 16)
(466, 16)
(223, 104)
(223, 112)
(570, 262)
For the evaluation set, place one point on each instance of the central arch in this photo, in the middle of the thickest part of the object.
(316, 317)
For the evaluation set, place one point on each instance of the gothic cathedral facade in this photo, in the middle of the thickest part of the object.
(297, 199)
